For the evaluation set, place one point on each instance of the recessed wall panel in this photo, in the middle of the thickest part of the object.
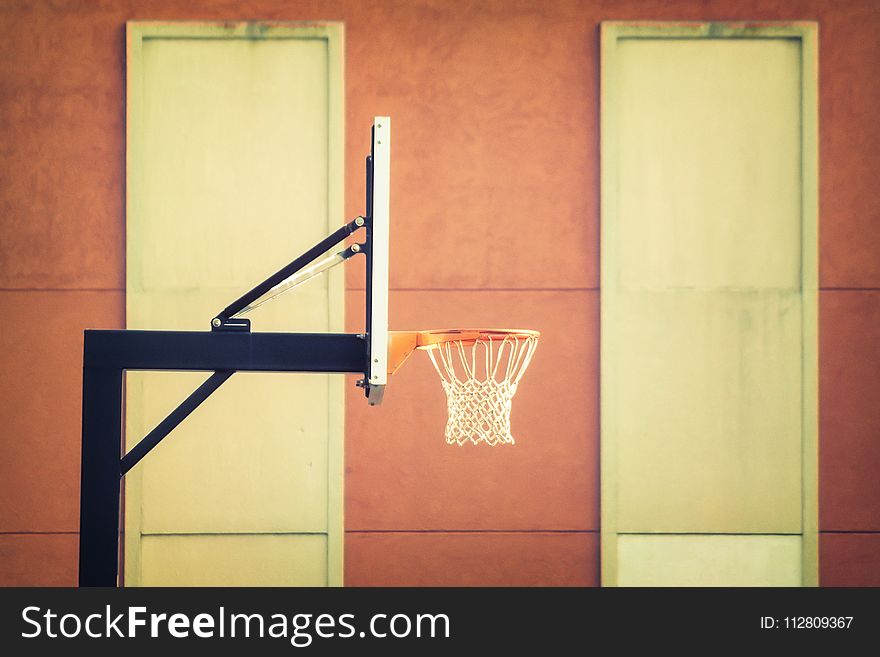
(710, 411)
(235, 560)
(709, 349)
(709, 560)
(234, 169)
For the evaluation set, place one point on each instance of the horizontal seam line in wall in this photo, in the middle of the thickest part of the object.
(599, 289)
(237, 533)
(482, 289)
(38, 533)
(457, 531)
(415, 289)
(710, 533)
(471, 531)
(62, 289)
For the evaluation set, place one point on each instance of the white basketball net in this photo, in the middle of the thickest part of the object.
(480, 381)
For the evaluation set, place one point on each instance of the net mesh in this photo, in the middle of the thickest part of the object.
(480, 380)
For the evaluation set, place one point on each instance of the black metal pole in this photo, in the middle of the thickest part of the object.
(99, 485)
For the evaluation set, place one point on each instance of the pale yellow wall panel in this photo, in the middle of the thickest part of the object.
(709, 350)
(236, 164)
(230, 560)
(709, 560)
(709, 163)
(234, 169)
(238, 463)
(709, 424)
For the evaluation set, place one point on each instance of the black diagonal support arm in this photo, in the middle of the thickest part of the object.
(287, 271)
(178, 415)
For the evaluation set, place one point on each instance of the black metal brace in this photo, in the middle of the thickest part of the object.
(225, 319)
(229, 347)
(106, 357)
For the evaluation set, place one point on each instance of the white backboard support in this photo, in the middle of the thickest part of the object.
(378, 216)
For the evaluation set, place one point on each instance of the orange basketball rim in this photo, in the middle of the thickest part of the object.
(480, 370)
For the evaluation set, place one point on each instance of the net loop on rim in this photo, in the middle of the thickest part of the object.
(480, 371)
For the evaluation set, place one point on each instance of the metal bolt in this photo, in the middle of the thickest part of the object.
(355, 248)
(216, 322)
(359, 221)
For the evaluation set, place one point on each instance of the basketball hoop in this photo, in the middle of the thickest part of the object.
(480, 370)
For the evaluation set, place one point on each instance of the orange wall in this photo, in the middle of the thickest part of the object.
(495, 209)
